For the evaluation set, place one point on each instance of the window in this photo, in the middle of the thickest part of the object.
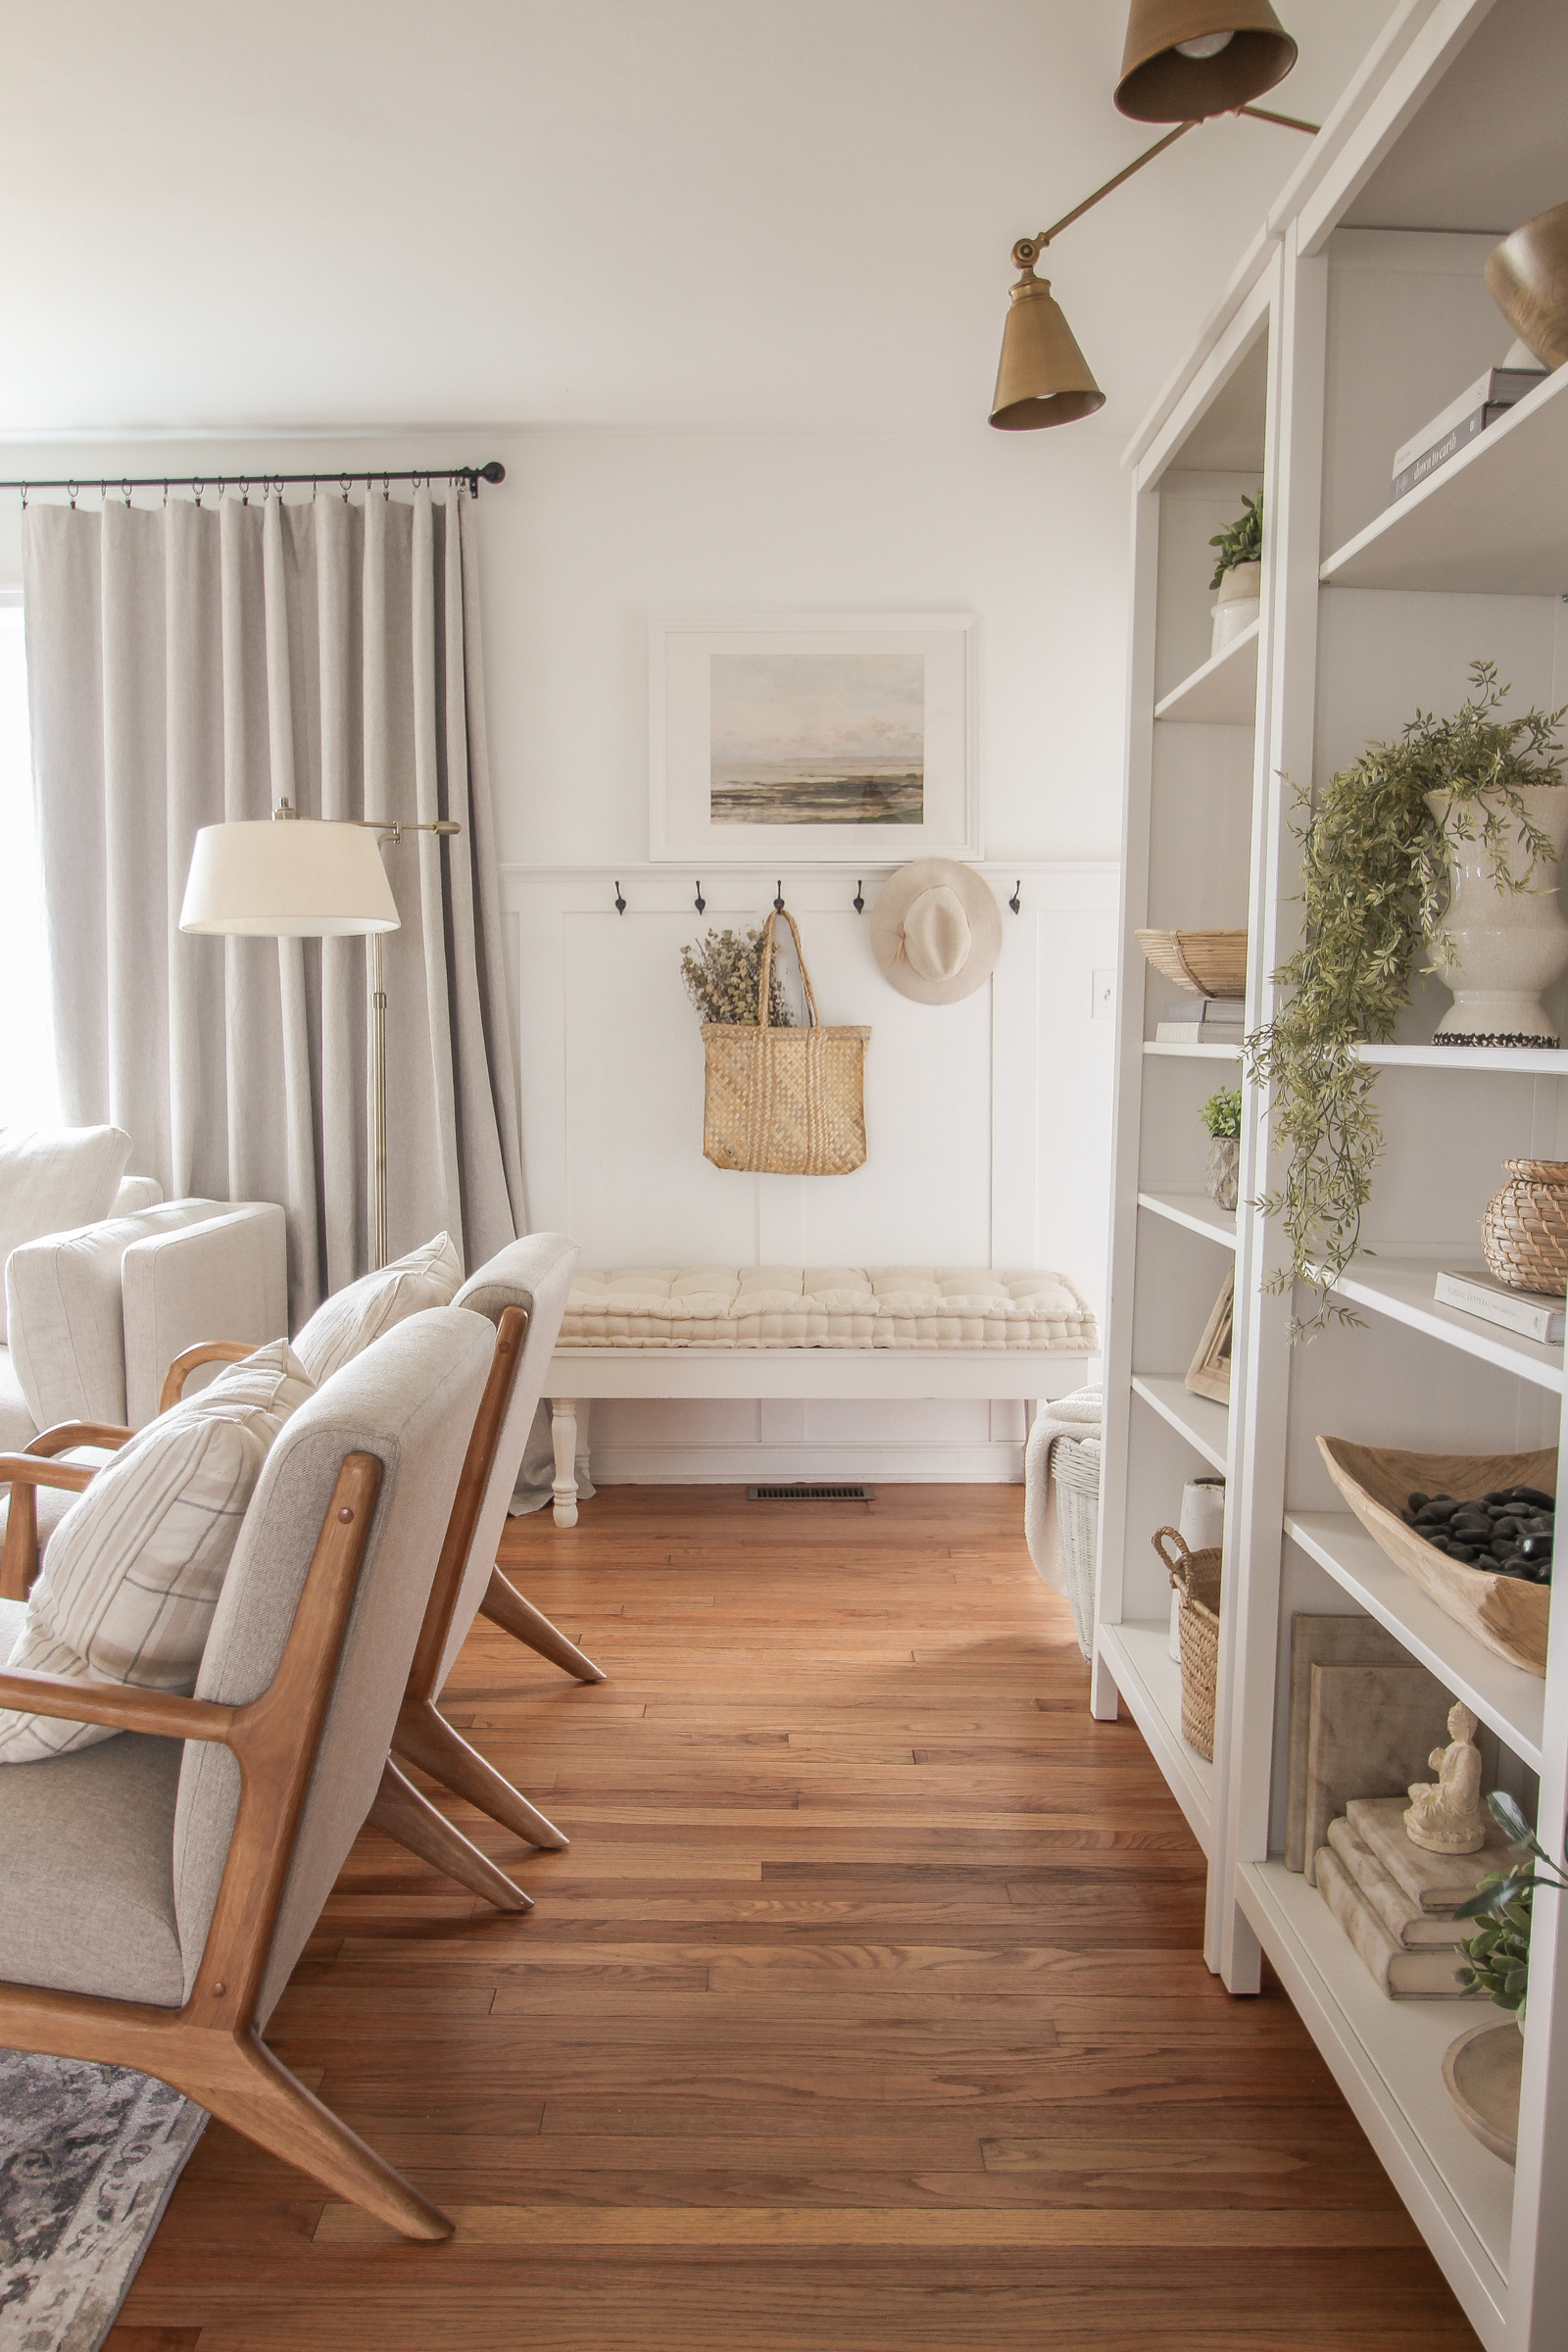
(28, 1094)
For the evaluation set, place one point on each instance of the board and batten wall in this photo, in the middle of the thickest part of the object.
(594, 531)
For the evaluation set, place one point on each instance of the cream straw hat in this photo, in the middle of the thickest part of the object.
(936, 930)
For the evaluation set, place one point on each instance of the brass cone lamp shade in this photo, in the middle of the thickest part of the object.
(1043, 377)
(1185, 60)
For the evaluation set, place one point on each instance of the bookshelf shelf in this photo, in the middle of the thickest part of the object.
(1137, 1654)
(1204, 1424)
(1197, 1212)
(1402, 1288)
(1222, 693)
(1511, 1701)
(1152, 1047)
(1513, 1061)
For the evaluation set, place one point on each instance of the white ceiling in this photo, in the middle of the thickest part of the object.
(755, 213)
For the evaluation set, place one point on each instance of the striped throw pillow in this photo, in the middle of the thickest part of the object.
(134, 1570)
(345, 1324)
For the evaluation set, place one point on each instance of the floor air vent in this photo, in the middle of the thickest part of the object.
(810, 1494)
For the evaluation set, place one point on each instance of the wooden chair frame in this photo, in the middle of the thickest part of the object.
(211, 2049)
(423, 1736)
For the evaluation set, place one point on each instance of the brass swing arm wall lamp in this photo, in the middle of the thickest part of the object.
(1183, 62)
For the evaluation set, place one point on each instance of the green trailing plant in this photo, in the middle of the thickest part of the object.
(1221, 1114)
(1498, 1957)
(1241, 541)
(722, 973)
(1376, 876)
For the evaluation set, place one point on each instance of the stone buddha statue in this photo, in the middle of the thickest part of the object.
(1448, 1816)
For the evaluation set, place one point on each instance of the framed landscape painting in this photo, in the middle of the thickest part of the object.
(834, 738)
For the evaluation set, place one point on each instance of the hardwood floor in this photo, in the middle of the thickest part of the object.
(867, 2007)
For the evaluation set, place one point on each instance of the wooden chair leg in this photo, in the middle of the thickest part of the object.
(504, 1606)
(415, 1823)
(427, 1738)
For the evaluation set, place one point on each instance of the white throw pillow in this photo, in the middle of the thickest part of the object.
(136, 1566)
(345, 1324)
(55, 1178)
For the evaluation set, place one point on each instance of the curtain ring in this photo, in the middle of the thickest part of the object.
(386, 489)
(23, 498)
(125, 487)
(76, 492)
(200, 489)
(166, 494)
(344, 482)
(244, 490)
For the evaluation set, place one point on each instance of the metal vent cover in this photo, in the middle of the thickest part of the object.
(810, 1494)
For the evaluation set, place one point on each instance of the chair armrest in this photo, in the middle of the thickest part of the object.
(169, 1284)
(205, 1351)
(66, 1434)
(120, 1705)
(23, 1473)
(35, 1470)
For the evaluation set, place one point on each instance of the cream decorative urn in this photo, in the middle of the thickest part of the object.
(1508, 945)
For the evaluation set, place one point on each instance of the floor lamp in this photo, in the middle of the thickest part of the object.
(300, 877)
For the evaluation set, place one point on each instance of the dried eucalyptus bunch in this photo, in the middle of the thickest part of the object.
(1375, 875)
(721, 975)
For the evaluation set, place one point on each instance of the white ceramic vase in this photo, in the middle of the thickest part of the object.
(1510, 945)
(1239, 604)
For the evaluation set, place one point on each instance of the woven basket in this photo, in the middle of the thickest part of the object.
(785, 1101)
(1195, 1576)
(1075, 1475)
(1524, 1233)
(1214, 963)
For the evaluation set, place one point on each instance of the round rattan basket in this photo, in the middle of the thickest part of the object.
(1212, 963)
(1524, 1233)
(1195, 1576)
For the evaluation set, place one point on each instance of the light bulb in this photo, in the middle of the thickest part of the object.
(1206, 44)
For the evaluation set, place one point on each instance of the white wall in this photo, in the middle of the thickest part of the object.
(594, 530)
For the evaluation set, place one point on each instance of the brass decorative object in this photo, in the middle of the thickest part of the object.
(1527, 277)
(1185, 60)
(1043, 377)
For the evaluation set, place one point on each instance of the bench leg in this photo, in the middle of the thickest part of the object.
(563, 1431)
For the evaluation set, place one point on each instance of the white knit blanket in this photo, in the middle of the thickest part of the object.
(1080, 1415)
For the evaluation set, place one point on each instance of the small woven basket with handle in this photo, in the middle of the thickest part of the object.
(784, 1102)
(1195, 1576)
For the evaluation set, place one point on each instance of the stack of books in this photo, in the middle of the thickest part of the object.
(1395, 1901)
(1202, 1021)
(1532, 1314)
(1454, 427)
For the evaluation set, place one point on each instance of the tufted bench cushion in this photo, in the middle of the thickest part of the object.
(929, 1307)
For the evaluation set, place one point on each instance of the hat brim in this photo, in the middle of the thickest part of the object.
(892, 903)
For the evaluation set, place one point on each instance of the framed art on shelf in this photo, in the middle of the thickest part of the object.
(824, 737)
(1209, 1372)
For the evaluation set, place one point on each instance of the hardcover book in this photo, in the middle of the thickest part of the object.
(1403, 1976)
(1454, 427)
(1439, 1883)
(1400, 1912)
(1370, 1730)
(1532, 1314)
(1344, 1641)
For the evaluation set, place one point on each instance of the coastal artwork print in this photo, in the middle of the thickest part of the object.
(817, 739)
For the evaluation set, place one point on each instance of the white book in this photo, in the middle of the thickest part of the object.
(1199, 1033)
(1506, 384)
(1532, 1314)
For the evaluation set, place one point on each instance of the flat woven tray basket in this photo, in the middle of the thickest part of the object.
(1195, 1576)
(1213, 963)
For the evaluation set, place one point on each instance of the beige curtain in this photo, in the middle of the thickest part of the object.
(188, 665)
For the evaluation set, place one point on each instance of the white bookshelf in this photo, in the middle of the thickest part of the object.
(1358, 312)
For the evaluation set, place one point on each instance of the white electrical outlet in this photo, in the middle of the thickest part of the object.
(1104, 993)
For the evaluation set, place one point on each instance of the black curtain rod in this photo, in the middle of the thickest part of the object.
(265, 481)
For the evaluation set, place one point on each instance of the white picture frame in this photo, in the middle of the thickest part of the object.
(758, 712)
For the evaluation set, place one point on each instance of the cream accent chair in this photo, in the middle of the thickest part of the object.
(153, 1903)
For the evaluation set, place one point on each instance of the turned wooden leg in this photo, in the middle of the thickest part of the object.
(504, 1606)
(563, 1431)
(583, 1469)
(415, 1823)
(427, 1738)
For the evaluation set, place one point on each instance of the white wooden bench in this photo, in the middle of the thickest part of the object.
(835, 1332)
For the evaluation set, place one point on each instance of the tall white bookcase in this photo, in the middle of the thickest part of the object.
(1358, 311)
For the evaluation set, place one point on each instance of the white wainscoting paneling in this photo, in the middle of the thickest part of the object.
(988, 1124)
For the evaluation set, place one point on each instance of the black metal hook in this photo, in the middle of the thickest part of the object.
(1014, 901)
(621, 903)
(859, 901)
(778, 903)
(700, 902)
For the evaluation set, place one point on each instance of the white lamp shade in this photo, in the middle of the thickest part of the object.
(290, 879)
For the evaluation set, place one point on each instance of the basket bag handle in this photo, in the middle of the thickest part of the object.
(1179, 1569)
(766, 972)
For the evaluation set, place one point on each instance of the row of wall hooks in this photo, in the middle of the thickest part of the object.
(858, 902)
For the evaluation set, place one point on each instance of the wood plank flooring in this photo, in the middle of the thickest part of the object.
(867, 2007)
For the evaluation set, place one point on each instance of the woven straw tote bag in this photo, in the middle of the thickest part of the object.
(785, 1101)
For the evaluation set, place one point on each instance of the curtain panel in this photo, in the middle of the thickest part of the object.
(192, 666)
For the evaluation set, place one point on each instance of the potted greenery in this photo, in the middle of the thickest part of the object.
(1237, 574)
(1399, 843)
(1498, 1957)
(1221, 1114)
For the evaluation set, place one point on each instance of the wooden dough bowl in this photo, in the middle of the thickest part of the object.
(1502, 1611)
(1212, 963)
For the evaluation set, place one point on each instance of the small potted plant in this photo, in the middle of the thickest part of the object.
(1237, 574)
(1498, 1957)
(1221, 1114)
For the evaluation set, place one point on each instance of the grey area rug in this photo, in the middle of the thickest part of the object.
(88, 2158)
